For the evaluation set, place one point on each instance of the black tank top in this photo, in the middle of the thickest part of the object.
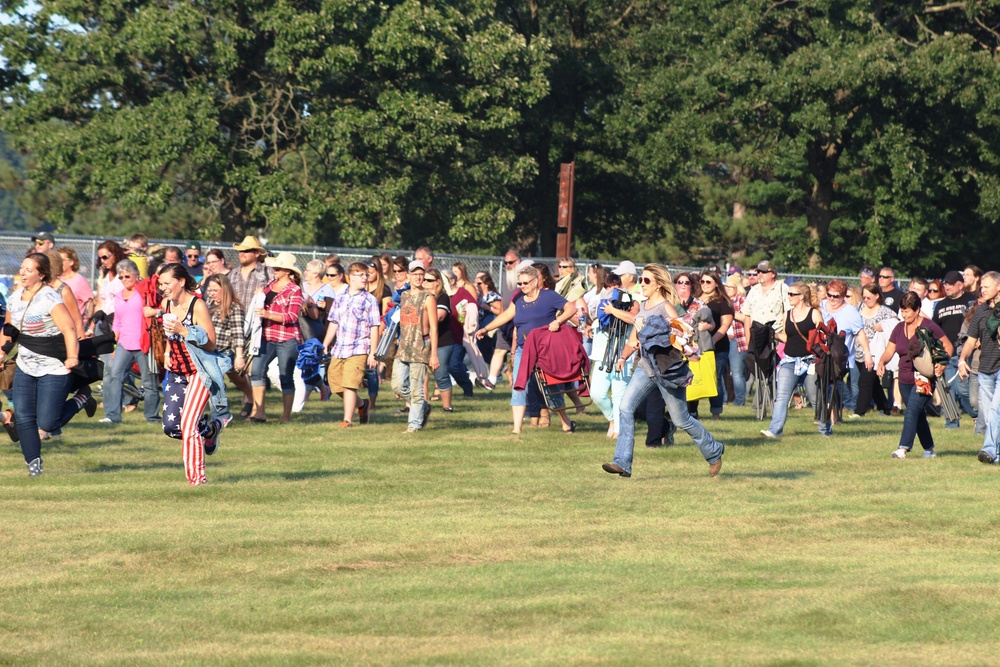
(797, 335)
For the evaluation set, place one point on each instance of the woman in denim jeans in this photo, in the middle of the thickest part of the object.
(281, 334)
(793, 370)
(660, 296)
(916, 399)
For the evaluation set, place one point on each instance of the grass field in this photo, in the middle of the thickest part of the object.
(465, 545)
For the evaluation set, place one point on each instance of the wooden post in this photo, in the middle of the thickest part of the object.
(564, 219)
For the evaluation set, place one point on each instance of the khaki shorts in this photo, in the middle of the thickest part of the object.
(347, 373)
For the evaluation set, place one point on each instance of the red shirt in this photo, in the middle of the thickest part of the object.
(288, 304)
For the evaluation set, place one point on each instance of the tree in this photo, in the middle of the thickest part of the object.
(332, 120)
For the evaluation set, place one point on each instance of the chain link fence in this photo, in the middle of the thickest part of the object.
(14, 246)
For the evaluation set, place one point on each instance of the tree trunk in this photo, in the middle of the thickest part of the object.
(824, 155)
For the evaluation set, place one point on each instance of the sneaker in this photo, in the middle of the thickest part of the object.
(930, 454)
(324, 393)
(448, 409)
(363, 411)
(211, 441)
(427, 413)
(105, 420)
(767, 434)
(411, 429)
(485, 384)
(345, 424)
(986, 458)
(35, 467)
(854, 415)
(90, 406)
(899, 453)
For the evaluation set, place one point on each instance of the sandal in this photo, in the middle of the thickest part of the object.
(571, 429)
(247, 409)
(11, 426)
(257, 420)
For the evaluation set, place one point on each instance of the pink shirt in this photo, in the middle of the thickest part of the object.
(129, 321)
(81, 290)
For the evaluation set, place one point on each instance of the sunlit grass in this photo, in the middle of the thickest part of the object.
(465, 545)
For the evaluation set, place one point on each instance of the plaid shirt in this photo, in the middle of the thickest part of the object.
(354, 315)
(229, 331)
(737, 332)
(287, 303)
(246, 288)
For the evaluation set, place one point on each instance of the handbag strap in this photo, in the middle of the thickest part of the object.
(796, 325)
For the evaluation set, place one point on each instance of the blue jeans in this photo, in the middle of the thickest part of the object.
(113, 390)
(457, 368)
(676, 400)
(41, 404)
(737, 367)
(960, 390)
(989, 403)
(286, 352)
(441, 376)
(408, 382)
(851, 395)
(786, 381)
(915, 423)
(716, 402)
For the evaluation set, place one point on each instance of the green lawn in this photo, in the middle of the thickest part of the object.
(465, 545)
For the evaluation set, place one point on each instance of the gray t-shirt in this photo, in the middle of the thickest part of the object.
(989, 349)
(640, 319)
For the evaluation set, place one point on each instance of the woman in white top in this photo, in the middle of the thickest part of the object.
(48, 350)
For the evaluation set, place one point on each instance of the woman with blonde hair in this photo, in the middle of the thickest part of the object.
(446, 343)
(793, 369)
(661, 366)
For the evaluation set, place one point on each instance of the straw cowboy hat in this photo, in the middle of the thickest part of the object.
(250, 243)
(284, 260)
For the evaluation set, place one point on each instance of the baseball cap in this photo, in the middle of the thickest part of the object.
(44, 236)
(416, 265)
(193, 245)
(765, 267)
(735, 269)
(625, 268)
(953, 277)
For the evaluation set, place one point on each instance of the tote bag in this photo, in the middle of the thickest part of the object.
(703, 385)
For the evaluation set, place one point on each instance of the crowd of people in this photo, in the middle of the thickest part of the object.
(642, 343)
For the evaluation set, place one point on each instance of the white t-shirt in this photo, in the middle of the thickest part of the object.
(38, 321)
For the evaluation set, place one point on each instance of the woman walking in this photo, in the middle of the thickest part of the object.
(228, 316)
(535, 308)
(81, 286)
(915, 398)
(279, 315)
(652, 330)
(879, 324)
(48, 351)
(446, 343)
(718, 302)
(188, 327)
(794, 366)
(128, 327)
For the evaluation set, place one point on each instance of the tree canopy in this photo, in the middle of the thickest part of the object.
(823, 133)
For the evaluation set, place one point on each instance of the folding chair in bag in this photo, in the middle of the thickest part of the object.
(558, 363)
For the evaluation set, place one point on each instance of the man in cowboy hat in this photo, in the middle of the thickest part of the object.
(251, 274)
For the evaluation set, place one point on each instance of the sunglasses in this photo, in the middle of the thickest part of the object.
(831, 295)
(333, 275)
(679, 282)
(194, 256)
(434, 280)
(510, 263)
(525, 284)
(751, 273)
(648, 281)
(104, 258)
(566, 266)
(886, 277)
(795, 294)
(934, 289)
(480, 283)
(39, 242)
(707, 281)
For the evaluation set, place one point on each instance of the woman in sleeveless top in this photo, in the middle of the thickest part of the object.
(794, 366)
(185, 394)
(653, 327)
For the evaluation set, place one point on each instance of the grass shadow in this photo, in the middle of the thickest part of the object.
(958, 453)
(749, 442)
(163, 465)
(787, 474)
(288, 476)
